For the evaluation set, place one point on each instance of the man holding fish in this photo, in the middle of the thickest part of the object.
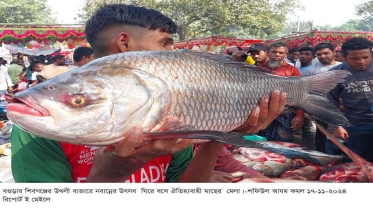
(114, 29)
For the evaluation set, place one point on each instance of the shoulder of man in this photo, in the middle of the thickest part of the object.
(311, 70)
(339, 66)
(288, 62)
(295, 70)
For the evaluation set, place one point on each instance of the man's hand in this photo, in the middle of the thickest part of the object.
(297, 123)
(340, 133)
(263, 115)
(117, 163)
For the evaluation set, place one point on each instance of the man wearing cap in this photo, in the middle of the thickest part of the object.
(259, 53)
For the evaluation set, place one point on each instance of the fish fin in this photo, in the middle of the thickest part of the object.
(310, 155)
(317, 105)
(324, 82)
(232, 138)
(185, 128)
(321, 108)
(239, 140)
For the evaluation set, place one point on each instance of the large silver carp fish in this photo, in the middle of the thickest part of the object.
(98, 102)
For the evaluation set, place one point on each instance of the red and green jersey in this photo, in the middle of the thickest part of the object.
(36, 159)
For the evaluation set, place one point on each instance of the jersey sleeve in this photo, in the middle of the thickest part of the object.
(179, 162)
(36, 159)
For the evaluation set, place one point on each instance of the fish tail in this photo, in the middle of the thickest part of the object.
(317, 104)
(324, 82)
(324, 110)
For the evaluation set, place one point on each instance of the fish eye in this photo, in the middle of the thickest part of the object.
(78, 100)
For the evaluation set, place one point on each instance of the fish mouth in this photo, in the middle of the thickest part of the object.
(26, 106)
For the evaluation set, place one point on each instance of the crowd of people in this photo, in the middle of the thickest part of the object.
(120, 28)
(27, 70)
(353, 97)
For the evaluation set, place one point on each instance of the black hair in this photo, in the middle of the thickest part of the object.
(239, 48)
(39, 58)
(15, 61)
(120, 15)
(31, 58)
(49, 60)
(57, 57)
(307, 49)
(80, 52)
(277, 44)
(34, 63)
(293, 50)
(356, 43)
(323, 46)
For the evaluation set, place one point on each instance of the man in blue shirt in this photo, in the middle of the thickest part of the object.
(306, 55)
(357, 95)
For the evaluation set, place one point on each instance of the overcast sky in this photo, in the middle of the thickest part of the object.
(321, 12)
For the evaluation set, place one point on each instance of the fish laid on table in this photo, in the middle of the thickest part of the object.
(299, 163)
(287, 144)
(272, 168)
(267, 163)
(100, 101)
(310, 172)
(274, 180)
(261, 155)
(345, 172)
(366, 166)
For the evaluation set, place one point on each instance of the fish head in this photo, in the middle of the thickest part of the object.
(92, 105)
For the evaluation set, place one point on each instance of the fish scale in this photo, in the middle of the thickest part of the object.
(206, 92)
(223, 111)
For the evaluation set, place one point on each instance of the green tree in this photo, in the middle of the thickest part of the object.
(365, 11)
(25, 11)
(291, 28)
(351, 25)
(199, 18)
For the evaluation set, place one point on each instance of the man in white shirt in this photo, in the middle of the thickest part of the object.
(2, 63)
(325, 54)
(5, 81)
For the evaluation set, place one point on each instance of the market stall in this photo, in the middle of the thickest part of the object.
(39, 39)
(313, 38)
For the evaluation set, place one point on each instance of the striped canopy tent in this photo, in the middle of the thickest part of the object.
(313, 38)
(17, 33)
(36, 38)
(214, 41)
